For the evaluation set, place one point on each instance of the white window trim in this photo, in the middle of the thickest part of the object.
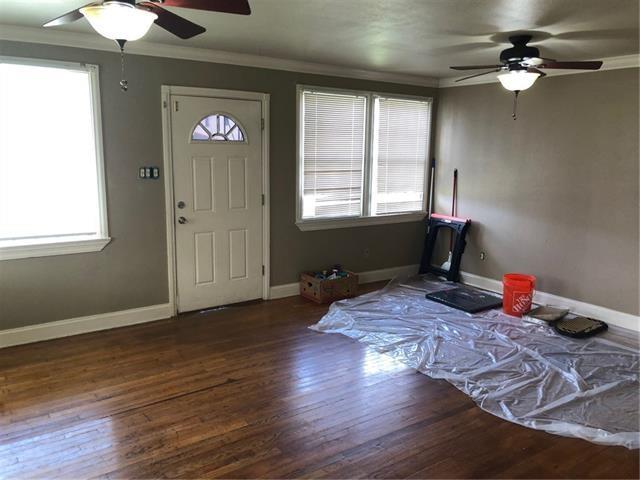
(311, 224)
(78, 244)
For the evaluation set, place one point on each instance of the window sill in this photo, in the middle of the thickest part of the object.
(10, 252)
(348, 222)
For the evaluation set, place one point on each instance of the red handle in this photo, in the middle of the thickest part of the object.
(449, 218)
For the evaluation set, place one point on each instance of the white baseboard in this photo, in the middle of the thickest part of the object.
(387, 273)
(91, 323)
(293, 289)
(105, 321)
(283, 291)
(623, 320)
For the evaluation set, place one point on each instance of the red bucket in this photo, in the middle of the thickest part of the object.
(517, 293)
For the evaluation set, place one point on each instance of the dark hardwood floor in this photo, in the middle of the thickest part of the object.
(249, 391)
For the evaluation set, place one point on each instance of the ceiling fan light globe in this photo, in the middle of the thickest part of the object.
(119, 21)
(518, 80)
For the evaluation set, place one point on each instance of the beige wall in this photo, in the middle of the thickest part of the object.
(131, 271)
(555, 193)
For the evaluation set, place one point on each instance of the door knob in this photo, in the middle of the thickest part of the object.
(181, 204)
(182, 220)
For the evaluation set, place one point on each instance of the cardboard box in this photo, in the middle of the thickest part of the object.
(322, 290)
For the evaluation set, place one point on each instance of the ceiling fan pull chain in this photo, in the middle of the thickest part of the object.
(124, 85)
(515, 105)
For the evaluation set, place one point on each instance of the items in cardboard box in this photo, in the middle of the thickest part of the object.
(329, 285)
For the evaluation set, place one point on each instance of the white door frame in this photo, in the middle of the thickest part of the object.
(167, 91)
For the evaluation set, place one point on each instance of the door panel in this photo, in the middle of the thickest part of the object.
(238, 253)
(203, 183)
(219, 228)
(205, 258)
(237, 182)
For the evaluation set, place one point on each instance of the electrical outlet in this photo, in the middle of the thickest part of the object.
(366, 252)
(483, 256)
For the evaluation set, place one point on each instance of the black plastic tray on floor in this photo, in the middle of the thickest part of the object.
(467, 299)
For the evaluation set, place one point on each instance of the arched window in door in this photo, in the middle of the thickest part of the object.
(218, 127)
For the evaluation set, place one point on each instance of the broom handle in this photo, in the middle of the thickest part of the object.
(454, 204)
(432, 179)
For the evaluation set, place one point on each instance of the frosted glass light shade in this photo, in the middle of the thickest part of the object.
(518, 80)
(119, 21)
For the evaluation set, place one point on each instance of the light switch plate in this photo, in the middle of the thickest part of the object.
(149, 173)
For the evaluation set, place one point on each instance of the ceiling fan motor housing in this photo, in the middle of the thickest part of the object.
(520, 50)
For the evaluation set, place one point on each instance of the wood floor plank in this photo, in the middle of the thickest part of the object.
(250, 392)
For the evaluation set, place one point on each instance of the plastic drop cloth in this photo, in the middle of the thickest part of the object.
(518, 371)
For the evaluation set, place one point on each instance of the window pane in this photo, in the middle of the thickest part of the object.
(333, 154)
(48, 177)
(221, 127)
(199, 133)
(400, 149)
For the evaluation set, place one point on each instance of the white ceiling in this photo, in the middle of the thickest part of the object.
(409, 37)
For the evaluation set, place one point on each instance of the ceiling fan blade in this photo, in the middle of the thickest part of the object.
(476, 67)
(172, 23)
(68, 17)
(535, 61)
(535, 70)
(478, 75)
(240, 7)
(572, 65)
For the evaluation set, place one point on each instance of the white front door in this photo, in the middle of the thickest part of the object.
(217, 175)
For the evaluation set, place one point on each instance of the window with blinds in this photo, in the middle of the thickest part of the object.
(362, 155)
(400, 149)
(333, 148)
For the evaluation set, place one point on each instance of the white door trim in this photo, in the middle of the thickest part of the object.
(166, 92)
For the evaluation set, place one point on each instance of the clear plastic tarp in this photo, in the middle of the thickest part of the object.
(521, 372)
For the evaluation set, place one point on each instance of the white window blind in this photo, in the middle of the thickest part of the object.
(333, 150)
(400, 149)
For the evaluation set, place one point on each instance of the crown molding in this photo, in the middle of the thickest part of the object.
(96, 42)
(610, 63)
